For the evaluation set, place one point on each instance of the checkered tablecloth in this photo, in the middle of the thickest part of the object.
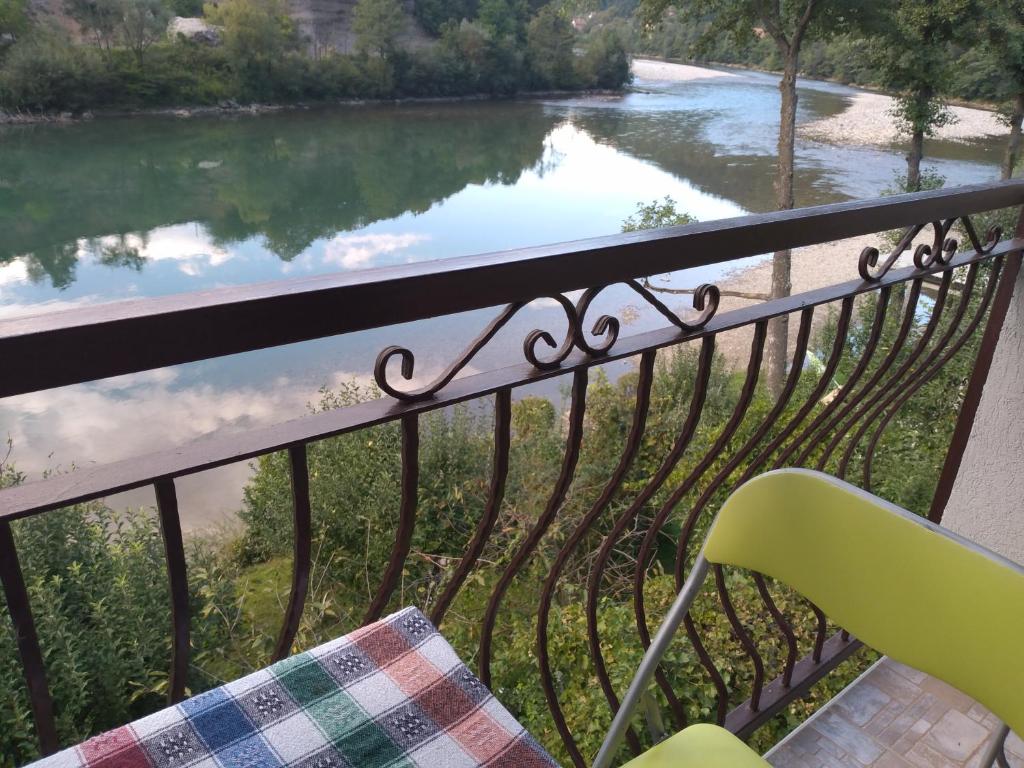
(391, 694)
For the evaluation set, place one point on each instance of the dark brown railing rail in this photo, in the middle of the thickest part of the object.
(829, 427)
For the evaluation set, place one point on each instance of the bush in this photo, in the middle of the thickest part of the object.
(260, 60)
(44, 72)
(605, 63)
(103, 621)
(549, 44)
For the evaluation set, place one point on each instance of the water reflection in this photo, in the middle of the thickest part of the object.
(287, 179)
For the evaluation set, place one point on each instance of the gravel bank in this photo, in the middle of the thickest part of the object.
(815, 266)
(866, 121)
(649, 69)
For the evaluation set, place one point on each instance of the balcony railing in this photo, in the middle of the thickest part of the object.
(968, 287)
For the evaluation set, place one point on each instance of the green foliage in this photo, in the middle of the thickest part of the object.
(98, 18)
(741, 24)
(920, 111)
(143, 22)
(186, 8)
(257, 35)
(654, 215)
(377, 25)
(500, 19)
(12, 19)
(434, 15)
(549, 47)
(982, 61)
(135, 24)
(44, 72)
(996, 67)
(605, 62)
(130, 66)
(103, 626)
(930, 179)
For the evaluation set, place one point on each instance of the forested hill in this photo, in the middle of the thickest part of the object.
(322, 24)
(78, 56)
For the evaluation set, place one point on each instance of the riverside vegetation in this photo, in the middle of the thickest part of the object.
(103, 616)
(126, 61)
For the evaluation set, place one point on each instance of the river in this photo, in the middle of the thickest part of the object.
(146, 206)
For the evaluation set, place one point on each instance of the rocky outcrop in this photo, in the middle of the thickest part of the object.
(326, 25)
(196, 30)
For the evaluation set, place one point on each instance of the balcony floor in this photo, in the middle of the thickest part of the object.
(894, 717)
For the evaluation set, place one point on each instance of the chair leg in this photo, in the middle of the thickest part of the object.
(994, 752)
(659, 646)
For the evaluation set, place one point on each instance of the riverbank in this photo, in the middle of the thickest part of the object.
(232, 109)
(813, 267)
(868, 121)
(654, 69)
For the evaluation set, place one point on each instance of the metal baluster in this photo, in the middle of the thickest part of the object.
(813, 441)
(569, 460)
(406, 518)
(177, 578)
(32, 665)
(499, 474)
(636, 433)
(695, 411)
(301, 560)
(941, 352)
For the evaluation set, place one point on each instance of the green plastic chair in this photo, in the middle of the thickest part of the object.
(906, 587)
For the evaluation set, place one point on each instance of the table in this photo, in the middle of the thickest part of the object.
(393, 694)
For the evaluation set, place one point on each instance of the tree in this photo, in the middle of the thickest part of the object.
(1002, 30)
(433, 15)
(97, 18)
(605, 62)
(378, 25)
(256, 33)
(788, 23)
(910, 42)
(12, 18)
(549, 43)
(143, 22)
(656, 214)
(186, 7)
(499, 18)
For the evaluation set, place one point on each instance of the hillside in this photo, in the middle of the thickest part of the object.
(323, 24)
(327, 24)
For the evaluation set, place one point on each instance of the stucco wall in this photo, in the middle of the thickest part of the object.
(987, 502)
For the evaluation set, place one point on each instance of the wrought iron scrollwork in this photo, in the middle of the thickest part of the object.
(573, 333)
(606, 328)
(992, 236)
(942, 248)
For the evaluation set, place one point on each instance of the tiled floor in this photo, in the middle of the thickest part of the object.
(894, 717)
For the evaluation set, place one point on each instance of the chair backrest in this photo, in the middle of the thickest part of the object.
(908, 588)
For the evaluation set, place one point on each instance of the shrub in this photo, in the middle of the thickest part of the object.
(605, 63)
(102, 619)
(44, 72)
(549, 44)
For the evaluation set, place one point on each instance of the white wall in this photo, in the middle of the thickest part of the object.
(987, 502)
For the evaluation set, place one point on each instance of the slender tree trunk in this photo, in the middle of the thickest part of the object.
(782, 285)
(920, 102)
(914, 160)
(1013, 145)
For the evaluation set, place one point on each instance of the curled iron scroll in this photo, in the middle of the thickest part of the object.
(992, 236)
(941, 250)
(606, 327)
